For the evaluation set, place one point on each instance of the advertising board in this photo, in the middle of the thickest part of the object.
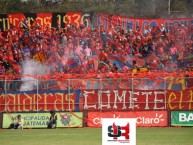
(40, 120)
(144, 118)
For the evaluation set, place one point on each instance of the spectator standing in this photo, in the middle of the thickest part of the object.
(173, 51)
(147, 30)
(125, 68)
(88, 52)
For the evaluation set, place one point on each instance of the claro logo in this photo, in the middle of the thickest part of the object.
(146, 120)
(140, 119)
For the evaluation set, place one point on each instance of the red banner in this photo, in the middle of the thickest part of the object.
(137, 100)
(180, 100)
(73, 18)
(59, 101)
(44, 19)
(16, 20)
(97, 100)
(113, 20)
(144, 118)
(124, 100)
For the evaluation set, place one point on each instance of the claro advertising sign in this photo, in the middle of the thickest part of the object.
(144, 118)
(40, 120)
(182, 118)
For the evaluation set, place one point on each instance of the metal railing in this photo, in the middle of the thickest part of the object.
(52, 84)
(29, 84)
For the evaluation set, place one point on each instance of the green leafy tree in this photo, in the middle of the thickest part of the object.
(13, 6)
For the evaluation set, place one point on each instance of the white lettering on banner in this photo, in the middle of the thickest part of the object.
(101, 105)
(85, 94)
(140, 119)
(183, 117)
(133, 100)
(145, 120)
(158, 100)
(146, 99)
(96, 121)
(120, 98)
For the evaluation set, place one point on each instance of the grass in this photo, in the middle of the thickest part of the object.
(93, 136)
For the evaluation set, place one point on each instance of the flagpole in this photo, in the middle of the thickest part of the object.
(169, 7)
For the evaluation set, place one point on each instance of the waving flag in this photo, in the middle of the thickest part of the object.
(72, 63)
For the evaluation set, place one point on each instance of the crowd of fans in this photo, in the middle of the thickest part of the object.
(167, 45)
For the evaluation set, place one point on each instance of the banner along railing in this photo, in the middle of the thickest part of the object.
(27, 94)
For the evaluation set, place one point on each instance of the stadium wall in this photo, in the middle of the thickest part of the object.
(85, 108)
(96, 100)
